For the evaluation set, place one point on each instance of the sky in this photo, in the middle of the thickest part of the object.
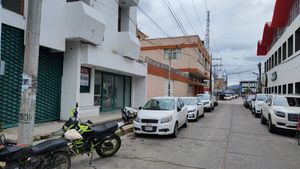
(236, 26)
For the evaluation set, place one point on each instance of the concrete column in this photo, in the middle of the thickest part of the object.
(139, 90)
(70, 79)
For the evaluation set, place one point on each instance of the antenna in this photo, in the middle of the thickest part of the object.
(207, 32)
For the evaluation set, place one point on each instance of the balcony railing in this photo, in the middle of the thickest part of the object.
(165, 67)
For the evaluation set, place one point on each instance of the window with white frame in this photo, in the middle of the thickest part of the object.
(172, 53)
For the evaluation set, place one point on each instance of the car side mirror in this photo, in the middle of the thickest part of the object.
(140, 108)
(178, 109)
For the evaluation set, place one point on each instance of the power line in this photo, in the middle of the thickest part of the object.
(152, 21)
(198, 17)
(188, 19)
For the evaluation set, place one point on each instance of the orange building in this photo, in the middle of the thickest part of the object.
(189, 60)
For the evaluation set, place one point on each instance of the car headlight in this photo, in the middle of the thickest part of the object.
(138, 119)
(280, 113)
(166, 119)
(191, 111)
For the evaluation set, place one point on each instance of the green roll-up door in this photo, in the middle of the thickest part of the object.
(12, 52)
(49, 85)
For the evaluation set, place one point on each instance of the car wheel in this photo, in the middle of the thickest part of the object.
(185, 123)
(262, 119)
(202, 114)
(271, 127)
(197, 116)
(175, 132)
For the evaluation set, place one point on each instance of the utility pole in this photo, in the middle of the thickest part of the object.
(259, 78)
(30, 73)
(169, 76)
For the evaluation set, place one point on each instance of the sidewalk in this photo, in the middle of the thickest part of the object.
(44, 130)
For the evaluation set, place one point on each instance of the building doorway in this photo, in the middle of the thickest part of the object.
(111, 91)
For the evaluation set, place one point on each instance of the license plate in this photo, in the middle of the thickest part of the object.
(148, 128)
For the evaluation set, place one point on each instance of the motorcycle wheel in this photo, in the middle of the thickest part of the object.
(109, 146)
(60, 160)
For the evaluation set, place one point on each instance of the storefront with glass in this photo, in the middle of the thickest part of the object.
(111, 91)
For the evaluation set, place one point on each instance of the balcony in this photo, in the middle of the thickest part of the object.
(73, 21)
(128, 3)
(127, 44)
(85, 23)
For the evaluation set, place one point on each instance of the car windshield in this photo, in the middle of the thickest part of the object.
(250, 97)
(261, 97)
(287, 101)
(190, 101)
(160, 104)
(203, 97)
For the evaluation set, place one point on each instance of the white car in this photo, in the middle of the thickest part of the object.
(195, 108)
(161, 116)
(281, 111)
(227, 97)
(207, 101)
(256, 105)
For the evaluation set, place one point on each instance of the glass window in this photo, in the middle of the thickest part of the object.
(107, 91)
(127, 91)
(173, 53)
(287, 101)
(204, 97)
(284, 51)
(189, 101)
(290, 88)
(297, 87)
(279, 55)
(160, 104)
(297, 40)
(261, 97)
(119, 92)
(279, 89)
(16, 6)
(290, 46)
(284, 89)
(97, 88)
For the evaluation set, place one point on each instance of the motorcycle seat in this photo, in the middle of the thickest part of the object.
(105, 129)
(48, 146)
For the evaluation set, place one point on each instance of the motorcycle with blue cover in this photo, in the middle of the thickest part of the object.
(50, 154)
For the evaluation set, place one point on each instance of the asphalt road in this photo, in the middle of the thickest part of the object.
(227, 138)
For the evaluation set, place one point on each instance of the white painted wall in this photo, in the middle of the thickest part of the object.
(288, 70)
(139, 90)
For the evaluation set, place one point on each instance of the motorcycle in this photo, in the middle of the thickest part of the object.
(46, 155)
(102, 137)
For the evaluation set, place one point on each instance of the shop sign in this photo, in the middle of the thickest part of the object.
(274, 76)
(84, 76)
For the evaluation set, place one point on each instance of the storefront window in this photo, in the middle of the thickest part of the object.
(127, 91)
(119, 92)
(107, 98)
(97, 88)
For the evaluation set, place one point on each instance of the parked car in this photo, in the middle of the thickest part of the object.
(208, 101)
(256, 104)
(298, 130)
(247, 100)
(194, 107)
(281, 111)
(161, 116)
(227, 97)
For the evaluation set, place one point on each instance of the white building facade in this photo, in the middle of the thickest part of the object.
(95, 49)
(281, 47)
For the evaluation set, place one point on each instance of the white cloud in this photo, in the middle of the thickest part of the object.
(237, 26)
